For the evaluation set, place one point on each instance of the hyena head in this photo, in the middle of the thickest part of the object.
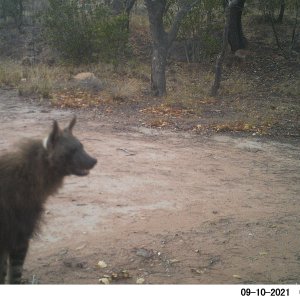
(65, 152)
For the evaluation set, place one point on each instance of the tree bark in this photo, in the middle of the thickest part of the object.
(123, 6)
(20, 12)
(158, 70)
(221, 57)
(156, 11)
(295, 27)
(129, 5)
(162, 41)
(274, 31)
(281, 12)
(119, 6)
(236, 37)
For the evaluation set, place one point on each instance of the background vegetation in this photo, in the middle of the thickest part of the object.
(44, 44)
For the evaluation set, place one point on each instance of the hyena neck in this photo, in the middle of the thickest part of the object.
(38, 168)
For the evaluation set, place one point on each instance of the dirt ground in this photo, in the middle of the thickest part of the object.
(164, 207)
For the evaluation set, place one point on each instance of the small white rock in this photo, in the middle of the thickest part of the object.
(104, 281)
(102, 264)
(140, 280)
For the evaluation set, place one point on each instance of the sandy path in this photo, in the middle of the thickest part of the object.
(170, 208)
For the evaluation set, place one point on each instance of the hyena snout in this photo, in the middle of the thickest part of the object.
(82, 163)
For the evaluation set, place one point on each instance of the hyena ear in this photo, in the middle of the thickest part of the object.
(51, 140)
(72, 123)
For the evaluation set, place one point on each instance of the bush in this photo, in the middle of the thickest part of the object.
(199, 30)
(13, 9)
(85, 32)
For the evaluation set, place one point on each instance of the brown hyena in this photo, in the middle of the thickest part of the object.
(27, 177)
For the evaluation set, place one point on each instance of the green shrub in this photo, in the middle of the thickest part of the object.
(111, 38)
(12, 9)
(84, 32)
(200, 29)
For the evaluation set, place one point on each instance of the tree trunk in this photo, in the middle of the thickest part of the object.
(158, 70)
(20, 11)
(221, 57)
(119, 6)
(274, 31)
(156, 11)
(281, 12)
(123, 6)
(162, 40)
(294, 28)
(236, 37)
(129, 6)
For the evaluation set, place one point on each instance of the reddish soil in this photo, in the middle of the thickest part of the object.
(162, 206)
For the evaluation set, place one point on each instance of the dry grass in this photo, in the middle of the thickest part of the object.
(11, 73)
(235, 126)
(255, 94)
(188, 88)
(289, 87)
(237, 84)
(139, 22)
(30, 80)
(121, 83)
(127, 89)
(40, 80)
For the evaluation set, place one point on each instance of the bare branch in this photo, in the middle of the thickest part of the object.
(186, 8)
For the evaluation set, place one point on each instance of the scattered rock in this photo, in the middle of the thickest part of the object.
(144, 253)
(102, 264)
(84, 76)
(173, 261)
(81, 247)
(87, 81)
(75, 264)
(115, 276)
(124, 274)
(250, 146)
(214, 260)
(104, 280)
(198, 271)
(140, 280)
(63, 252)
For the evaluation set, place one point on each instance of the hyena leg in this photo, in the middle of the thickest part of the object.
(3, 266)
(16, 261)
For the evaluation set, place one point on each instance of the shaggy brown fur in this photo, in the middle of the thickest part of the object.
(27, 178)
